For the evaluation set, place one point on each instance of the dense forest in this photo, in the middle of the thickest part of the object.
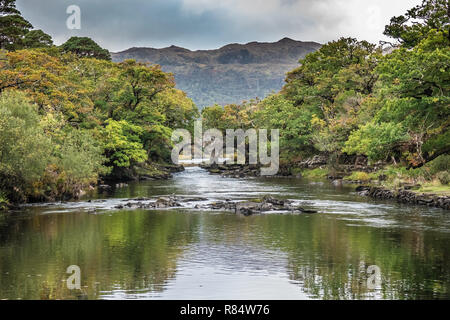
(70, 117)
(387, 103)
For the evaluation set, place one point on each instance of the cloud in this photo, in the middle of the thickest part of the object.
(202, 24)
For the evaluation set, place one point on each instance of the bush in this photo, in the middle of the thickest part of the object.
(358, 176)
(444, 177)
(376, 140)
(3, 200)
(25, 150)
(441, 163)
(34, 166)
(315, 173)
(81, 157)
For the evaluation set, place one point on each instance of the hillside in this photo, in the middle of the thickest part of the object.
(231, 74)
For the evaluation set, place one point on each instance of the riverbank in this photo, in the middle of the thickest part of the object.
(405, 196)
(428, 185)
(147, 171)
(107, 184)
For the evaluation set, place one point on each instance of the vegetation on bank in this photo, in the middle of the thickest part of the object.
(354, 99)
(433, 177)
(69, 116)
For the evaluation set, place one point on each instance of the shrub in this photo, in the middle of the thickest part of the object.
(444, 177)
(358, 176)
(25, 150)
(441, 163)
(3, 200)
(315, 173)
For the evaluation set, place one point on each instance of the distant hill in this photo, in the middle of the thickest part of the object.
(231, 74)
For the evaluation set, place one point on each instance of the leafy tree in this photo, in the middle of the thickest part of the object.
(123, 146)
(212, 117)
(24, 148)
(80, 156)
(141, 83)
(37, 39)
(329, 89)
(416, 85)
(13, 27)
(85, 47)
(8, 7)
(411, 28)
(277, 112)
(46, 78)
(178, 109)
(319, 78)
(379, 141)
(157, 142)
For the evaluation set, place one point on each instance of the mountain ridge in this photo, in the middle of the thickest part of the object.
(230, 74)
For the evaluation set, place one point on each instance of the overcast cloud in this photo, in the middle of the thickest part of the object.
(209, 24)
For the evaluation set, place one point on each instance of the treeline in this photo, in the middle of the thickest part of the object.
(69, 116)
(355, 98)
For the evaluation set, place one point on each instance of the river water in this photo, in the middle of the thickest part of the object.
(198, 254)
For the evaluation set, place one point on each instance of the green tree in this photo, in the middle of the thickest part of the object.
(13, 27)
(25, 150)
(80, 156)
(180, 111)
(212, 117)
(85, 47)
(123, 145)
(413, 99)
(294, 123)
(37, 39)
(379, 141)
(329, 90)
(411, 28)
(141, 83)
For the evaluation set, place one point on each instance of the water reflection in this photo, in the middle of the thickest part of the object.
(187, 254)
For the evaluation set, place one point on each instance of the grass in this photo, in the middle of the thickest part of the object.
(148, 169)
(359, 176)
(314, 173)
(435, 187)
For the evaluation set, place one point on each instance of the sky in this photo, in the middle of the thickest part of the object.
(209, 24)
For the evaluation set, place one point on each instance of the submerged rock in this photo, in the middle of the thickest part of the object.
(337, 183)
(104, 187)
(247, 208)
(233, 170)
(169, 202)
(257, 206)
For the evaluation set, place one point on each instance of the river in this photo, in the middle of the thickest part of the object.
(198, 254)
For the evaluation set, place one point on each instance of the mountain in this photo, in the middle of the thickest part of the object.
(231, 74)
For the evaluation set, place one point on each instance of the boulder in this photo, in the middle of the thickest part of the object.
(248, 208)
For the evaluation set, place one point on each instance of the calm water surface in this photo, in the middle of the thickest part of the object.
(192, 254)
